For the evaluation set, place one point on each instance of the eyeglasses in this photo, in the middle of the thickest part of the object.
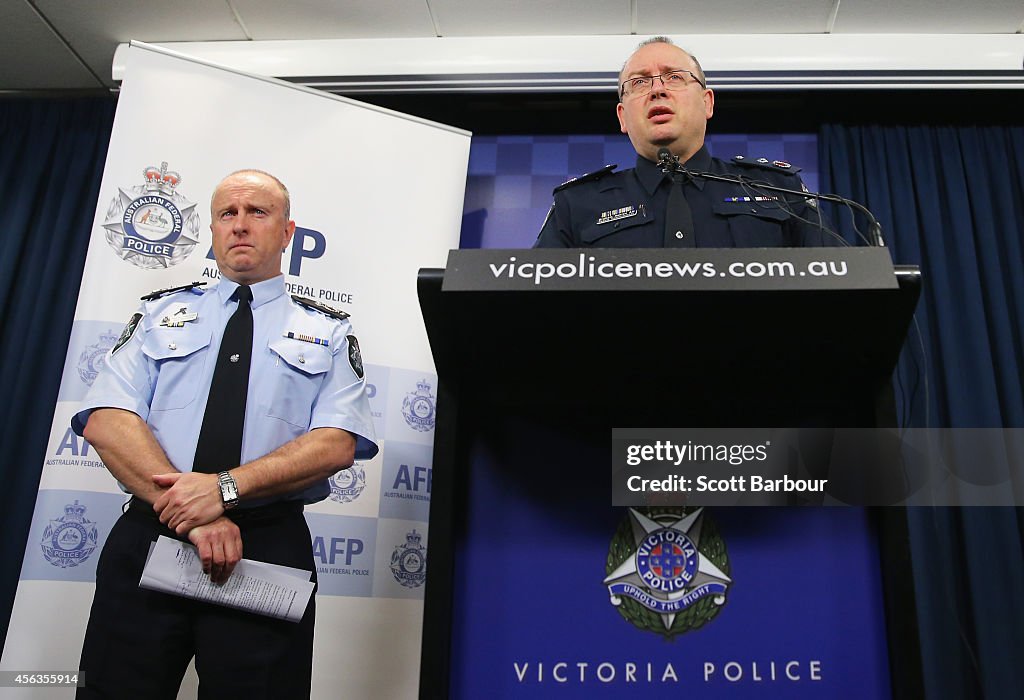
(643, 84)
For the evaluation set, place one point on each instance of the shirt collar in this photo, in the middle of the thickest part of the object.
(650, 174)
(262, 292)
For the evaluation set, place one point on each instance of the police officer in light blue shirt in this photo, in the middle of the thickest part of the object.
(306, 416)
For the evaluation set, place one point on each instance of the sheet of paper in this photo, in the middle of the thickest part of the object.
(266, 589)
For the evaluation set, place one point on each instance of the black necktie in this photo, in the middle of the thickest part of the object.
(678, 219)
(220, 438)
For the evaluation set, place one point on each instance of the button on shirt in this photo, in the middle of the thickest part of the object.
(163, 375)
(627, 210)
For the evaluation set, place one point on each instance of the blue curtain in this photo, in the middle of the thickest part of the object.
(951, 199)
(51, 161)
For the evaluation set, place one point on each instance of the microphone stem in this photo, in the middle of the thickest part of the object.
(875, 228)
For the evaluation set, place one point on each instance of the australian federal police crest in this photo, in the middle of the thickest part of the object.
(152, 225)
(418, 407)
(409, 561)
(69, 540)
(667, 570)
(94, 357)
(348, 484)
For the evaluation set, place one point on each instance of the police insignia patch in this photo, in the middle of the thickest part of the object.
(355, 358)
(152, 225)
(667, 570)
(418, 407)
(69, 540)
(94, 357)
(409, 561)
(127, 333)
(347, 484)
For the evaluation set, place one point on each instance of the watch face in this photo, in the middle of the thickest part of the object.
(228, 490)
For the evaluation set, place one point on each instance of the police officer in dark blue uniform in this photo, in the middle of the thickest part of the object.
(664, 107)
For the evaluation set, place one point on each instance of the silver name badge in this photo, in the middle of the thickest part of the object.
(616, 214)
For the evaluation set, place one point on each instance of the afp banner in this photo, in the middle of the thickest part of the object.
(368, 217)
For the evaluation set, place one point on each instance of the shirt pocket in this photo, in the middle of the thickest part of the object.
(631, 232)
(755, 224)
(298, 373)
(180, 358)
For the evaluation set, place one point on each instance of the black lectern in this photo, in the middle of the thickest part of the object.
(586, 341)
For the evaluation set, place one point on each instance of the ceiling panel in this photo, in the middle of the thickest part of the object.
(32, 57)
(531, 17)
(330, 19)
(930, 16)
(732, 17)
(95, 28)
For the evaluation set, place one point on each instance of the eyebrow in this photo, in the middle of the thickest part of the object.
(638, 74)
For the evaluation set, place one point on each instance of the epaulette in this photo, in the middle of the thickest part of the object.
(779, 166)
(170, 290)
(596, 175)
(322, 308)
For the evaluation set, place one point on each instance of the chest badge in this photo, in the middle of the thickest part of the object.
(616, 214)
(179, 318)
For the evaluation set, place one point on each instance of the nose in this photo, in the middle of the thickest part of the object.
(658, 88)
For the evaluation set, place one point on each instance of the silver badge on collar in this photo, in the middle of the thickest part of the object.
(616, 214)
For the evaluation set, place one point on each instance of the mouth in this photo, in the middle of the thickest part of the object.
(659, 114)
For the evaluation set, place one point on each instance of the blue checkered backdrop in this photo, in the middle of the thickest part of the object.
(508, 191)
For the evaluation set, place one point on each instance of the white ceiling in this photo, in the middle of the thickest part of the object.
(69, 44)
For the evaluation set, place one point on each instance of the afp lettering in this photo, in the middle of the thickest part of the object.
(329, 550)
(306, 243)
(411, 478)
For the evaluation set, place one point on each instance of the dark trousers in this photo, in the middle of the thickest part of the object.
(139, 642)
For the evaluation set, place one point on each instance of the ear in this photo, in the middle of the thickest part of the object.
(289, 231)
(619, 110)
(709, 103)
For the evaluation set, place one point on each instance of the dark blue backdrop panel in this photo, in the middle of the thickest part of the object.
(511, 177)
(803, 605)
(529, 591)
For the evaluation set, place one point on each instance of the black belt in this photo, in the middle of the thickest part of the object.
(270, 511)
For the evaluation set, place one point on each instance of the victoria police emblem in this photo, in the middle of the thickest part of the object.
(409, 561)
(70, 539)
(418, 407)
(347, 484)
(667, 570)
(152, 225)
(94, 357)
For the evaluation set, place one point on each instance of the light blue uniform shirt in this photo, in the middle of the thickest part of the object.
(163, 374)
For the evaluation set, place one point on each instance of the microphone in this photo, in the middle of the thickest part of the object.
(667, 161)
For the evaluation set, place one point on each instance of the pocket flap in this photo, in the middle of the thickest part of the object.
(596, 232)
(772, 210)
(169, 343)
(302, 356)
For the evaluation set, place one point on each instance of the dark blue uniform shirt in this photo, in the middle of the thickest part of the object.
(627, 209)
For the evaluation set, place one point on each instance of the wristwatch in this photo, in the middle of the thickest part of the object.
(228, 490)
